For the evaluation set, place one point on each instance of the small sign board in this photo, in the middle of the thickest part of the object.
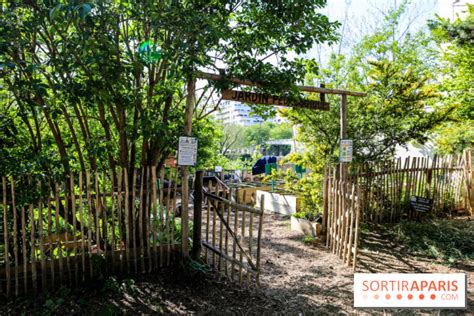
(218, 169)
(345, 150)
(187, 151)
(263, 98)
(421, 204)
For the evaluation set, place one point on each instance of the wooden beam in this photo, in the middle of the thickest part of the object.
(216, 77)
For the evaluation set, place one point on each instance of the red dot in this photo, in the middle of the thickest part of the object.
(422, 296)
(410, 296)
(433, 296)
(399, 296)
(387, 296)
(376, 296)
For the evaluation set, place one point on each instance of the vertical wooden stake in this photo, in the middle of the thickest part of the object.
(343, 130)
(196, 251)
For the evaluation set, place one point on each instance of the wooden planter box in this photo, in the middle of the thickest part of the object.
(279, 203)
(305, 226)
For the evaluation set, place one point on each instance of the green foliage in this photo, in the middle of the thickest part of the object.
(445, 240)
(113, 286)
(258, 134)
(456, 48)
(55, 300)
(76, 94)
(281, 131)
(309, 240)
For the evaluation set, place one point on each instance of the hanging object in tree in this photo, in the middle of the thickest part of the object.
(149, 52)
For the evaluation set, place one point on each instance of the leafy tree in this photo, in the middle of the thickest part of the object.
(99, 84)
(398, 77)
(258, 134)
(75, 77)
(281, 131)
(456, 47)
(232, 138)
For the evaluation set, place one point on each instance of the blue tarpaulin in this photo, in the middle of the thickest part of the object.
(259, 166)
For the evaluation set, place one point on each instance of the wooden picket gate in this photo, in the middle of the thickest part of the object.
(65, 232)
(341, 217)
(231, 234)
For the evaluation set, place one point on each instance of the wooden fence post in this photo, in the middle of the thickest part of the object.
(468, 181)
(188, 121)
(198, 183)
(343, 132)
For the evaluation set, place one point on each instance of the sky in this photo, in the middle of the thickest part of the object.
(362, 17)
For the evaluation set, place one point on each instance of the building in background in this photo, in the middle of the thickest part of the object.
(237, 113)
(451, 9)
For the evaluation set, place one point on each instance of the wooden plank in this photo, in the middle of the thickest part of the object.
(259, 237)
(103, 213)
(228, 258)
(6, 237)
(251, 219)
(74, 222)
(81, 218)
(233, 204)
(127, 218)
(148, 199)
(64, 185)
(90, 220)
(15, 236)
(208, 218)
(173, 207)
(263, 98)
(161, 214)
(169, 237)
(242, 238)
(134, 220)
(41, 240)
(57, 227)
(229, 211)
(112, 219)
(197, 214)
(120, 218)
(154, 208)
(141, 219)
(216, 77)
(221, 232)
(214, 217)
(356, 234)
(24, 242)
(32, 244)
(351, 225)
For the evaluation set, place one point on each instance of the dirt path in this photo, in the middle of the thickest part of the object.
(309, 279)
(296, 279)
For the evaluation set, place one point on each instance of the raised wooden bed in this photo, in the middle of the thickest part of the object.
(305, 226)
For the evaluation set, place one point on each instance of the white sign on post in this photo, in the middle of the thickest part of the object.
(345, 150)
(187, 152)
(218, 169)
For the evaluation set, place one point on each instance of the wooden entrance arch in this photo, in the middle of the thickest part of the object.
(256, 99)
